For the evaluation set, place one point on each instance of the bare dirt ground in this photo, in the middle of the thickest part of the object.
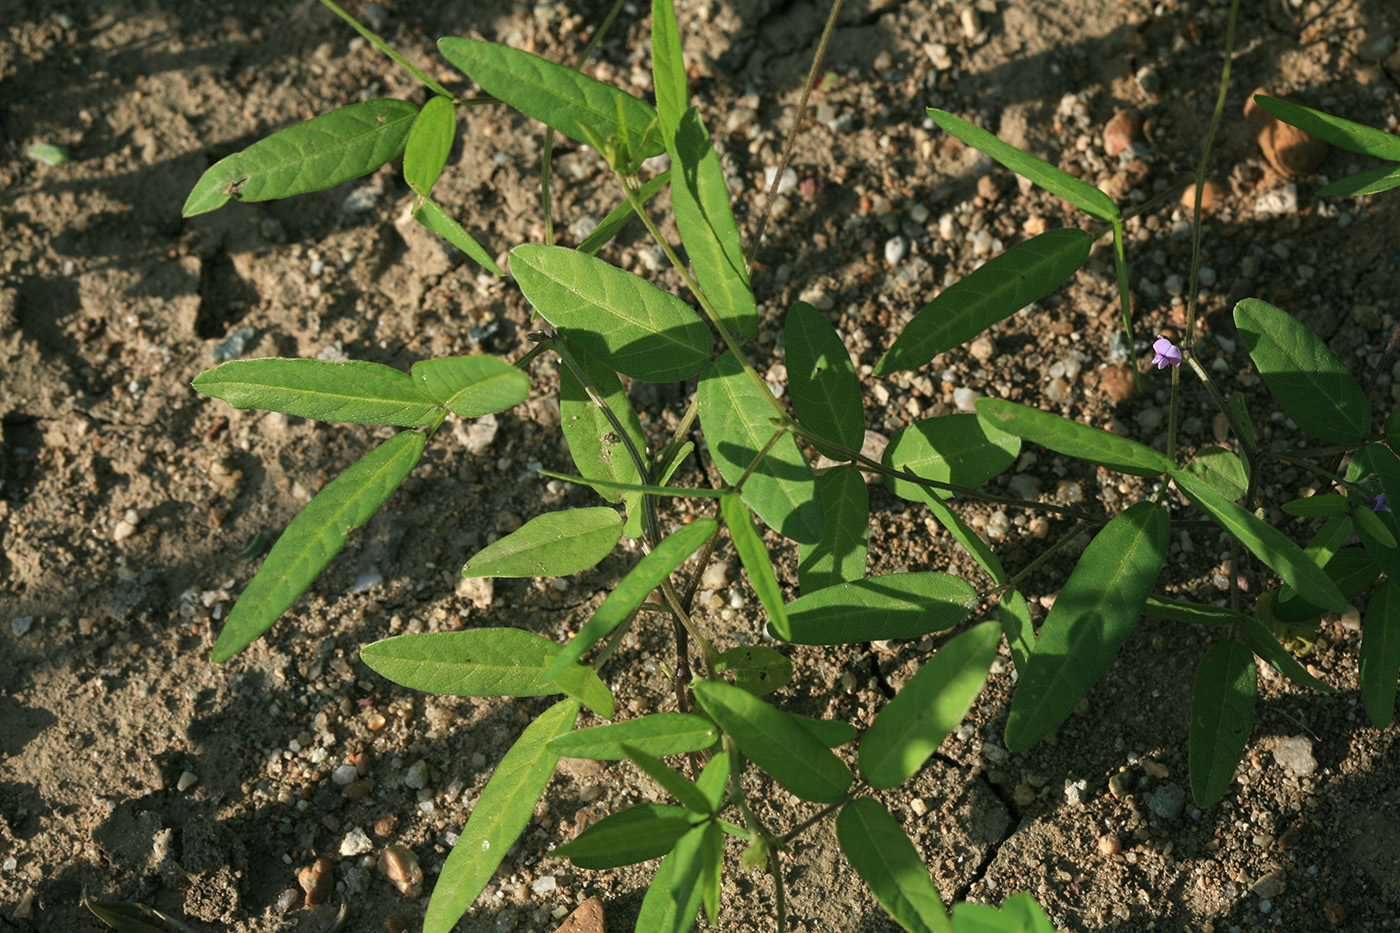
(134, 770)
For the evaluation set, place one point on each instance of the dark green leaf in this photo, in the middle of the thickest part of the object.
(1380, 655)
(671, 780)
(498, 818)
(1222, 470)
(993, 292)
(319, 153)
(1261, 641)
(774, 742)
(555, 544)
(738, 422)
(970, 540)
(840, 555)
(594, 445)
(1240, 409)
(965, 450)
(1081, 194)
(833, 733)
(1222, 713)
(658, 734)
(1354, 137)
(615, 316)
(1074, 439)
(1378, 462)
(429, 144)
(617, 218)
(472, 386)
(1016, 626)
(929, 706)
(757, 669)
(894, 605)
(573, 103)
(1179, 610)
(757, 566)
(822, 378)
(1351, 569)
(429, 214)
(637, 834)
(888, 863)
(124, 917)
(1373, 526)
(483, 662)
(316, 535)
(1311, 385)
(350, 391)
(1325, 504)
(661, 914)
(1093, 614)
(1371, 181)
(668, 66)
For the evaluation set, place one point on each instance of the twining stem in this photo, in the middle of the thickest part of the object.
(813, 820)
(1125, 294)
(758, 458)
(384, 47)
(706, 648)
(1251, 454)
(1048, 553)
(663, 459)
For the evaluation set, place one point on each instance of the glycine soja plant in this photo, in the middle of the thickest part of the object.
(604, 323)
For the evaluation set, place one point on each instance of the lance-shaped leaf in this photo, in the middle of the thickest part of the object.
(822, 378)
(970, 540)
(649, 573)
(660, 913)
(498, 818)
(714, 781)
(659, 734)
(1378, 462)
(757, 566)
(576, 105)
(1261, 641)
(1265, 541)
(993, 292)
(963, 449)
(327, 390)
(888, 863)
(929, 706)
(687, 883)
(555, 544)
(316, 535)
(637, 834)
(738, 422)
(1371, 181)
(840, 555)
(893, 605)
(310, 156)
(1380, 655)
(617, 218)
(429, 144)
(1074, 439)
(1093, 615)
(1311, 385)
(1079, 193)
(1016, 626)
(1222, 470)
(483, 662)
(1222, 713)
(711, 863)
(1351, 569)
(700, 199)
(1019, 914)
(1324, 504)
(774, 742)
(757, 669)
(1354, 137)
(668, 66)
(472, 386)
(594, 444)
(671, 780)
(833, 733)
(617, 317)
(429, 214)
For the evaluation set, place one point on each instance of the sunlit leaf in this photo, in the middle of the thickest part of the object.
(555, 544)
(893, 605)
(658, 734)
(429, 144)
(962, 449)
(754, 556)
(1074, 439)
(757, 669)
(636, 834)
(888, 863)
(840, 555)
(471, 386)
(430, 215)
(1222, 713)
(326, 390)
(1354, 137)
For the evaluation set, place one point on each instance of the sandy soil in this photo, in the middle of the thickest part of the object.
(134, 770)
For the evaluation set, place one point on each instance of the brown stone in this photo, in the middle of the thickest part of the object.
(1122, 131)
(1116, 383)
(588, 918)
(1212, 197)
(1288, 149)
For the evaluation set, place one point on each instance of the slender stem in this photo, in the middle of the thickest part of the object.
(1125, 297)
(813, 820)
(1251, 453)
(1042, 558)
(775, 865)
(705, 554)
(810, 83)
(674, 601)
(614, 640)
(384, 47)
(1305, 464)
(758, 457)
(663, 459)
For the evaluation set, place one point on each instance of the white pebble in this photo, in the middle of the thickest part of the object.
(788, 182)
(187, 780)
(344, 774)
(896, 248)
(947, 227)
(355, 843)
(21, 625)
(966, 399)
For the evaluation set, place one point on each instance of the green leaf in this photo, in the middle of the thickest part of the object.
(757, 566)
(1266, 542)
(555, 544)
(700, 199)
(1093, 615)
(429, 144)
(1311, 385)
(893, 605)
(498, 817)
(714, 781)
(840, 555)
(1380, 655)
(574, 104)
(1221, 470)
(774, 742)
(1372, 181)
(1374, 526)
(671, 780)
(615, 316)
(1016, 626)
(738, 422)
(661, 914)
(711, 862)
(1379, 461)
(687, 889)
(350, 391)
(1019, 914)
(1261, 641)
(637, 834)
(483, 662)
(316, 535)
(1081, 194)
(658, 734)
(757, 669)
(317, 154)
(617, 218)
(472, 386)
(1074, 439)
(47, 153)
(668, 66)
(833, 733)
(822, 378)
(1344, 134)
(993, 292)
(1324, 504)
(1351, 569)
(594, 445)
(650, 571)
(888, 863)
(970, 540)
(427, 212)
(929, 706)
(1180, 610)
(1240, 409)
(1222, 713)
(964, 449)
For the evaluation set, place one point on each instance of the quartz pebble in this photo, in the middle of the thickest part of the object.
(1109, 844)
(355, 843)
(1295, 754)
(187, 780)
(344, 774)
(896, 248)
(400, 866)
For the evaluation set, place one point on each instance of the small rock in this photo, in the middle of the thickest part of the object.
(967, 16)
(1149, 80)
(1288, 149)
(1109, 844)
(344, 774)
(417, 775)
(547, 884)
(896, 248)
(317, 880)
(1376, 48)
(1124, 129)
(1278, 203)
(355, 843)
(1296, 755)
(966, 399)
(232, 346)
(982, 348)
(1116, 383)
(716, 576)
(1212, 197)
(362, 200)
(1155, 769)
(587, 918)
(1168, 802)
(988, 189)
(187, 780)
(1076, 791)
(1269, 886)
(1121, 784)
(400, 866)
(1023, 795)
(788, 182)
(21, 625)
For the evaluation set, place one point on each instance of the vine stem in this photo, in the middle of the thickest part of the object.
(384, 47)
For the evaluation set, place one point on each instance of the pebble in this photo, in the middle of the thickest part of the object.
(918, 213)
(547, 884)
(896, 248)
(1116, 383)
(966, 399)
(1168, 802)
(1148, 79)
(1023, 795)
(417, 775)
(21, 625)
(1076, 791)
(317, 880)
(1268, 886)
(1212, 197)
(366, 580)
(344, 775)
(1121, 784)
(982, 348)
(187, 780)
(232, 346)
(1056, 390)
(1150, 418)
(356, 842)
(362, 200)
(1376, 48)
(967, 16)
(1109, 844)
(947, 226)
(586, 918)
(788, 182)
(1287, 148)
(1124, 129)
(400, 866)
(1295, 754)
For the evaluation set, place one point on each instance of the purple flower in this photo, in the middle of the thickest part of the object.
(1166, 353)
(1377, 503)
